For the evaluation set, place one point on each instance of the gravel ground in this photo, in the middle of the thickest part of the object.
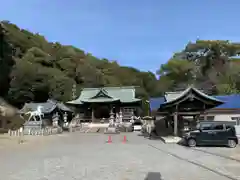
(11, 142)
(80, 156)
(224, 151)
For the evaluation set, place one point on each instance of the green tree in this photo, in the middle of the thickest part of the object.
(228, 83)
(6, 60)
(177, 72)
(210, 55)
(203, 63)
(28, 83)
(59, 85)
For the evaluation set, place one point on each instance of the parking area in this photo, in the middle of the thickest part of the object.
(89, 157)
(232, 153)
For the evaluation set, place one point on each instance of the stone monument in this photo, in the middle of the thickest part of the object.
(132, 119)
(65, 121)
(117, 119)
(120, 117)
(112, 126)
(111, 119)
(34, 122)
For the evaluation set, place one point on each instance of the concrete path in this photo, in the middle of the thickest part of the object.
(79, 156)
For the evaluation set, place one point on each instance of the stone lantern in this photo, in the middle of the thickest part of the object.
(111, 119)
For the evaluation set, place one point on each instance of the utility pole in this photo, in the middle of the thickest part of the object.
(74, 90)
(148, 107)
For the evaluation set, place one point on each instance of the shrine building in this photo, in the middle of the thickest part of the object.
(96, 104)
(176, 108)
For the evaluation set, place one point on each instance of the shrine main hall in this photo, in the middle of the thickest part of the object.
(97, 104)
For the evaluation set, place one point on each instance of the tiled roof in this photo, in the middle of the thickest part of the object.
(172, 96)
(123, 94)
(230, 102)
(63, 107)
(48, 106)
(169, 96)
(156, 102)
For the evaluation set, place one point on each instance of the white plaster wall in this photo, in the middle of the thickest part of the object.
(225, 117)
(237, 127)
(217, 117)
(159, 117)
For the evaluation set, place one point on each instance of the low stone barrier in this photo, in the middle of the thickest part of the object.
(15, 132)
(35, 132)
(76, 128)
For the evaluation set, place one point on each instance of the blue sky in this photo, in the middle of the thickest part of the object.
(139, 33)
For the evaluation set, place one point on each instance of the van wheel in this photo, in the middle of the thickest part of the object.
(191, 142)
(232, 143)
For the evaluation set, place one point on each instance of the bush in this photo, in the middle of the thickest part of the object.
(14, 122)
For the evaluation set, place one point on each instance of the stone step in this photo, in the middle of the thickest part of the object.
(101, 130)
(111, 130)
(84, 129)
(93, 130)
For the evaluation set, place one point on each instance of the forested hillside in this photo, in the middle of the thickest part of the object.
(39, 69)
(33, 69)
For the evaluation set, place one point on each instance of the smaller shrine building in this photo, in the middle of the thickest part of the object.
(178, 109)
(49, 108)
(228, 111)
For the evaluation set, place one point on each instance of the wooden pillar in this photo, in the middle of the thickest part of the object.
(111, 110)
(175, 124)
(204, 112)
(205, 116)
(194, 122)
(4, 122)
(93, 118)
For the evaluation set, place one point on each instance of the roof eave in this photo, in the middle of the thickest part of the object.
(209, 97)
(77, 102)
(215, 100)
(131, 101)
(104, 101)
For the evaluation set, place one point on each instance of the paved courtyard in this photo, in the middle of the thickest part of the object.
(79, 156)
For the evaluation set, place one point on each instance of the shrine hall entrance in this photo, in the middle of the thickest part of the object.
(102, 111)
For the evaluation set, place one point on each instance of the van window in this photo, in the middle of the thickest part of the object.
(137, 123)
(229, 126)
(235, 118)
(206, 126)
(217, 127)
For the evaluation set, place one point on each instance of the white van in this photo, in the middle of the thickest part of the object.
(137, 126)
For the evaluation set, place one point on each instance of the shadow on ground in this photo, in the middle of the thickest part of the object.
(184, 144)
(153, 176)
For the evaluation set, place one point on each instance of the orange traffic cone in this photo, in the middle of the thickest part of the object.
(109, 139)
(124, 139)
